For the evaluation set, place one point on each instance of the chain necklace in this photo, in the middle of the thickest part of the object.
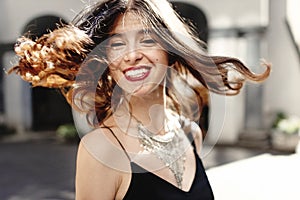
(169, 148)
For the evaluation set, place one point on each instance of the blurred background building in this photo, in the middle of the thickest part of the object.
(249, 30)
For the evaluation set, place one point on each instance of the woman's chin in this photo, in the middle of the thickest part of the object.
(143, 90)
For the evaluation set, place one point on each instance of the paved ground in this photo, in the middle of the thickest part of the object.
(44, 168)
(37, 171)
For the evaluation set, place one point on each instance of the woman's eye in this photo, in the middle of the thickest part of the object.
(148, 42)
(116, 44)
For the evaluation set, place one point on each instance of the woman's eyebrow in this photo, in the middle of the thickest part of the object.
(140, 31)
(147, 31)
(116, 35)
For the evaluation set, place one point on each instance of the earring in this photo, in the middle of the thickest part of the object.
(109, 78)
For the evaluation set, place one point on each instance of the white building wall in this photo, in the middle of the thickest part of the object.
(282, 88)
(230, 109)
(18, 13)
(234, 13)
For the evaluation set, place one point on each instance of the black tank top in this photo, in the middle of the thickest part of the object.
(148, 186)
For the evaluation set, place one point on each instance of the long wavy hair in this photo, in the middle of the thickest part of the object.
(68, 59)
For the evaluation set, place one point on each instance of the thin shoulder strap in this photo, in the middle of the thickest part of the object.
(127, 155)
(191, 138)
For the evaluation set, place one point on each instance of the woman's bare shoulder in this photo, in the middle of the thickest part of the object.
(96, 175)
(103, 144)
(93, 178)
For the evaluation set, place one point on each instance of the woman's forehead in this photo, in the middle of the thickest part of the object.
(128, 22)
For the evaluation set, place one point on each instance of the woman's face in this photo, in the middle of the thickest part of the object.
(137, 62)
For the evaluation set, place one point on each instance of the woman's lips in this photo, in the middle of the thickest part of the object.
(137, 73)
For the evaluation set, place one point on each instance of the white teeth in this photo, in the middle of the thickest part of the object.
(137, 72)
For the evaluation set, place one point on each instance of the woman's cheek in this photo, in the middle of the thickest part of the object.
(115, 74)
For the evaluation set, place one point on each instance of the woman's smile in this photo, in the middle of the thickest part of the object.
(138, 73)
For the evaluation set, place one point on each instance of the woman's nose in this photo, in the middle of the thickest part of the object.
(133, 56)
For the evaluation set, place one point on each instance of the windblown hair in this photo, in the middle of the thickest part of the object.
(53, 60)
(61, 59)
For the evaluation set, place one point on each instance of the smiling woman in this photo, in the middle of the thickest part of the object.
(139, 73)
(138, 63)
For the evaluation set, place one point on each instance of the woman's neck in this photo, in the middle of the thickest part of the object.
(148, 109)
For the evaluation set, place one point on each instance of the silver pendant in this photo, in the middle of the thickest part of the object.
(169, 148)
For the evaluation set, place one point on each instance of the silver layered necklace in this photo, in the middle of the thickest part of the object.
(169, 148)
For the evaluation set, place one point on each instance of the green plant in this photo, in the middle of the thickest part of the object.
(279, 116)
(287, 124)
(67, 131)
